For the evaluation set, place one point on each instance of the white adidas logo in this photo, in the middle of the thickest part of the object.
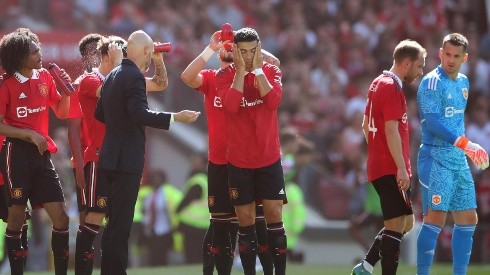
(22, 95)
(281, 192)
(449, 96)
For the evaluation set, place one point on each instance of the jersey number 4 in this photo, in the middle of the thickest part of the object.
(371, 127)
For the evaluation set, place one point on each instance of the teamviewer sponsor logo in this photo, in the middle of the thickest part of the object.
(217, 102)
(451, 111)
(21, 111)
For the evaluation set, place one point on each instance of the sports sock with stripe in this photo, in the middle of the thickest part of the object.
(426, 245)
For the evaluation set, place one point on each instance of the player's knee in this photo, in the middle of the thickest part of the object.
(16, 217)
(246, 217)
(273, 213)
(409, 223)
(61, 220)
(94, 218)
(15, 222)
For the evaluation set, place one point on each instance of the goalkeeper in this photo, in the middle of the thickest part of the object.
(444, 173)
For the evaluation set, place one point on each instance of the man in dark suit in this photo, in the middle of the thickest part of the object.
(123, 107)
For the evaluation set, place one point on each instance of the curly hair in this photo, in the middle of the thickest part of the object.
(86, 40)
(246, 35)
(103, 45)
(14, 49)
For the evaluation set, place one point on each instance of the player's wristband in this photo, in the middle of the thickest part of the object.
(258, 71)
(172, 120)
(461, 142)
(207, 53)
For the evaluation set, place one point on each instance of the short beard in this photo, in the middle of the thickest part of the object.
(227, 59)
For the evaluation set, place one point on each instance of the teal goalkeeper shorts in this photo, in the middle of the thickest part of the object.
(444, 189)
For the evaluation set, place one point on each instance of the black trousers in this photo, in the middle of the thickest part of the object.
(122, 193)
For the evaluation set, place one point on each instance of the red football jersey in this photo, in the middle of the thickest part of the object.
(215, 117)
(251, 120)
(74, 113)
(88, 101)
(385, 101)
(2, 138)
(24, 102)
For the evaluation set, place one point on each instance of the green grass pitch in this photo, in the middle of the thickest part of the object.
(295, 269)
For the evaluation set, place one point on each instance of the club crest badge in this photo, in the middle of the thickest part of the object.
(17, 193)
(233, 193)
(436, 199)
(465, 93)
(43, 89)
(211, 201)
(102, 202)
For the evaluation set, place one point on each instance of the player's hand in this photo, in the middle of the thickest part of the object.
(474, 151)
(80, 177)
(402, 179)
(215, 42)
(65, 76)
(39, 141)
(115, 53)
(186, 116)
(258, 60)
(238, 58)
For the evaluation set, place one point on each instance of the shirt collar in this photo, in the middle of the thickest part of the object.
(395, 77)
(22, 79)
(97, 72)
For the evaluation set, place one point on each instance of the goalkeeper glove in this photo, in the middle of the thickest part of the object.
(474, 151)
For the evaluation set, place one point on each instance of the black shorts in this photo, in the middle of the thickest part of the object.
(29, 175)
(218, 191)
(394, 202)
(4, 211)
(94, 197)
(249, 185)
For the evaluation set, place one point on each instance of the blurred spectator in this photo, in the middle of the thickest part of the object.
(478, 128)
(193, 210)
(138, 242)
(295, 212)
(225, 11)
(160, 219)
(370, 216)
(126, 17)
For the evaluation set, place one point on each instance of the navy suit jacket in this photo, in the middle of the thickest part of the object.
(123, 108)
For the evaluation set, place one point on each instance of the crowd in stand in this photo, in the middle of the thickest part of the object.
(330, 50)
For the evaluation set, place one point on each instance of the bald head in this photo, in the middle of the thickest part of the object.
(139, 39)
(140, 48)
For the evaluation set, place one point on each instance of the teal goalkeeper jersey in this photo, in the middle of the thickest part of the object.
(444, 99)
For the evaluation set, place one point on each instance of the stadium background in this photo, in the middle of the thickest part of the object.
(330, 50)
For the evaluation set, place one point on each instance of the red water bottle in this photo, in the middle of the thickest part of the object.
(162, 47)
(62, 83)
(227, 34)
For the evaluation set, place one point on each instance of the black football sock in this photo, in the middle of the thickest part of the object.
(278, 245)
(221, 244)
(61, 252)
(247, 247)
(372, 256)
(84, 251)
(207, 251)
(233, 233)
(25, 245)
(15, 251)
(390, 251)
(263, 252)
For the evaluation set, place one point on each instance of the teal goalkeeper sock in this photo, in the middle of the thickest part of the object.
(462, 243)
(426, 245)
